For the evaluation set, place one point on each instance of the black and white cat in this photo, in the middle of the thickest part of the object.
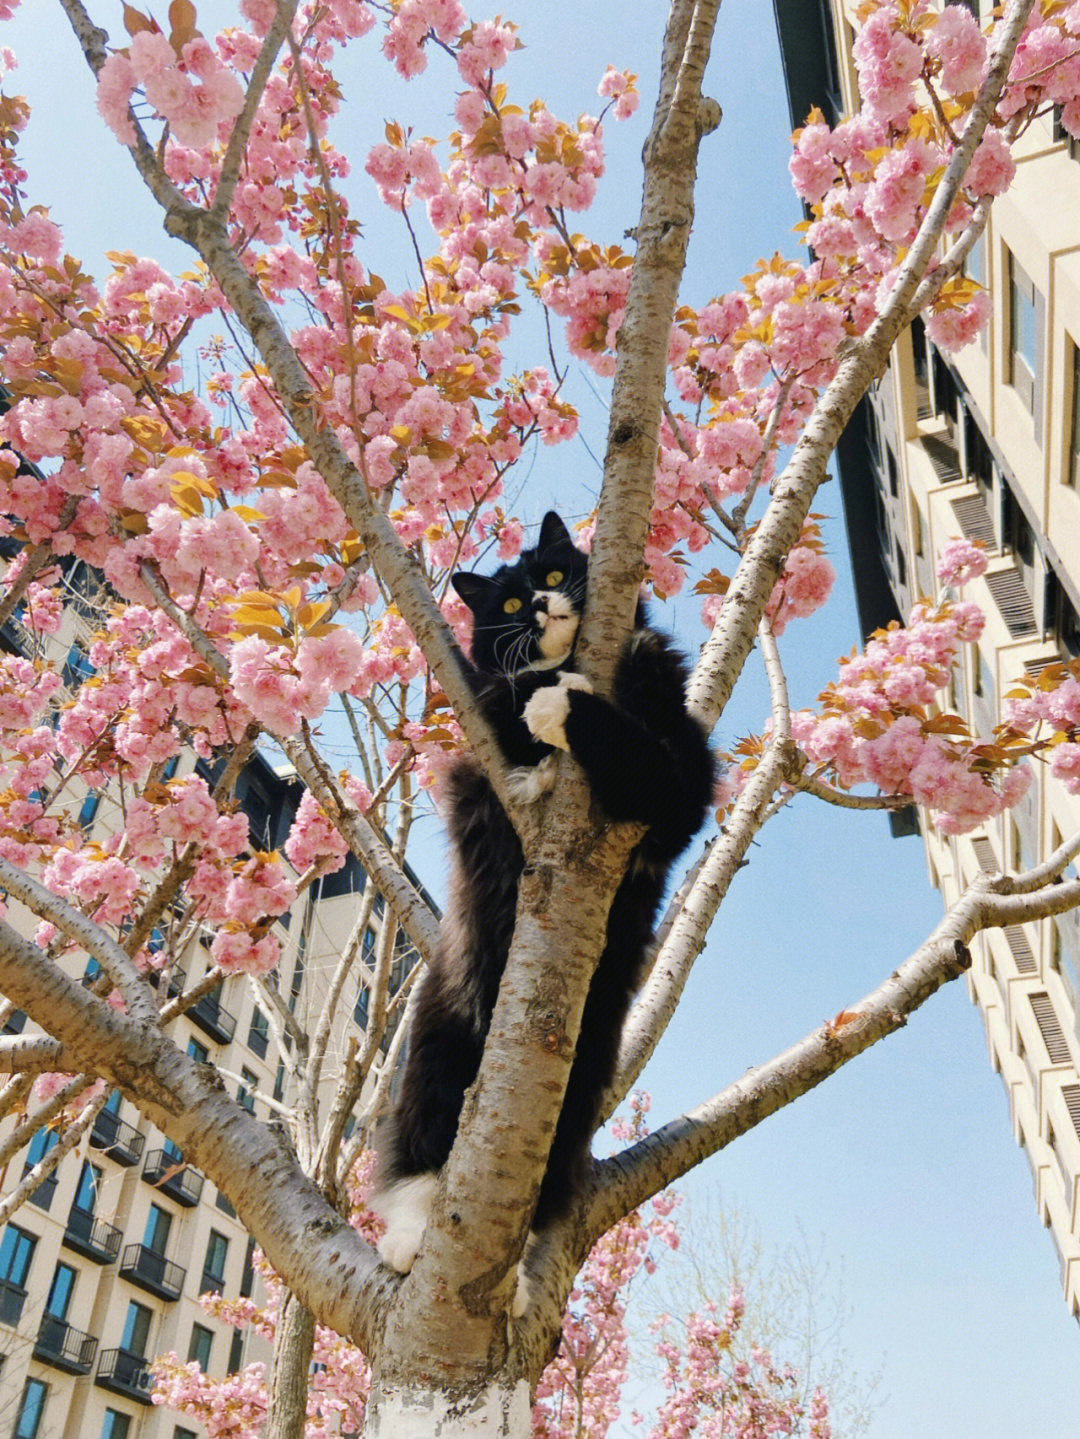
(646, 760)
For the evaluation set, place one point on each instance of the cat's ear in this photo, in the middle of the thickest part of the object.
(553, 532)
(472, 588)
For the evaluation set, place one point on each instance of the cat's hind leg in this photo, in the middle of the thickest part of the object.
(404, 1207)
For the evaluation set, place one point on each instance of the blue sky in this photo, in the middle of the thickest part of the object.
(902, 1167)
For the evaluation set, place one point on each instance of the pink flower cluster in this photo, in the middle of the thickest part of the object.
(960, 561)
(313, 839)
(878, 725)
(1049, 706)
(715, 1388)
(192, 91)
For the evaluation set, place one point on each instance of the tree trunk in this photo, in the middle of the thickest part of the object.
(293, 1345)
(501, 1410)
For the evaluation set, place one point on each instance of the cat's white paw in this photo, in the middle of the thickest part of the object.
(404, 1209)
(522, 1294)
(571, 680)
(545, 714)
(530, 782)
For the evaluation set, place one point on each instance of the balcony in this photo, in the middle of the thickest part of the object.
(63, 1347)
(121, 1141)
(213, 1019)
(126, 1374)
(91, 1237)
(173, 1177)
(152, 1272)
(12, 1299)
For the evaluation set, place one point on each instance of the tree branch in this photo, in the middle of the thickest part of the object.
(48, 1162)
(330, 1267)
(627, 1180)
(725, 652)
(90, 936)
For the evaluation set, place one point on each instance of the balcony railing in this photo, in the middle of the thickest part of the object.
(126, 1374)
(92, 1237)
(152, 1272)
(121, 1141)
(12, 1299)
(213, 1019)
(65, 1348)
(173, 1177)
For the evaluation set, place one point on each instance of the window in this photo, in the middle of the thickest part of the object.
(245, 1095)
(279, 1080)
(975, 262)
(116, 1425)
(77, 667)
(236, 1351)
(156, 1233)
(86, 1194)
(87, 812)
(918, 527)
(214, 1265)
(198, 1052)
(259, 1033)
(136, 1330)
(179, 1433)
(28, 1419)
(59, 1299)
(16, 1251)
(247, 1278)
(43, 1141)
(202, 1341)
(1023, 335)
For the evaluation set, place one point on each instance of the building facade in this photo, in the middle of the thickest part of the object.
(986, 445)
(101, 1269)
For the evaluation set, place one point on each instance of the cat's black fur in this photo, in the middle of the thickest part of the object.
(646, 760)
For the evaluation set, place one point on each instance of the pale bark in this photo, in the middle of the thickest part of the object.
(31, 1053)
(500, 1410)
(683, 116)
(294, 1341)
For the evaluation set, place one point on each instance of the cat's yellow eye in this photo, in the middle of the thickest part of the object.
(555, 578)
(511, 606)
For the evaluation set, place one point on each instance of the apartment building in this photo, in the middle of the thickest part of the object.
(102, 1268)
(985, 444)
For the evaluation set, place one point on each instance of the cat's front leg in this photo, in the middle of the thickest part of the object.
(545, 713)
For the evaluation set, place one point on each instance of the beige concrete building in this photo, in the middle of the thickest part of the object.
(986, 444)
(102, 1268)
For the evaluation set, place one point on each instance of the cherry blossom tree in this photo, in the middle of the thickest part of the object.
(286, 532)
(715, 1376)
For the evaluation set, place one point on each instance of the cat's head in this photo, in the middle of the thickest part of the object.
(526, 615)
